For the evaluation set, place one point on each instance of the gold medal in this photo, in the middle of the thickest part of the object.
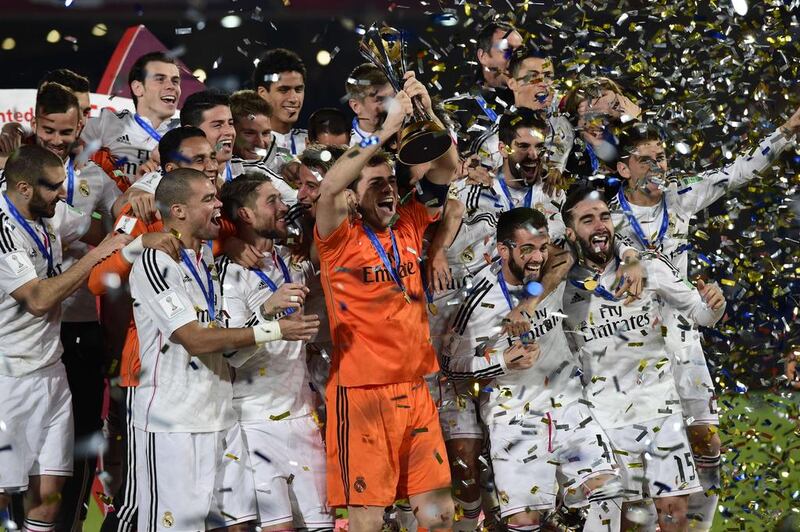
(589, 283)
(432, 309)
(213, 325)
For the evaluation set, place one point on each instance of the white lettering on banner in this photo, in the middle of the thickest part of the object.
(16, 105)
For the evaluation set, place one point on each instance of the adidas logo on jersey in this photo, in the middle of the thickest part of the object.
(577, 298)
(124, 139)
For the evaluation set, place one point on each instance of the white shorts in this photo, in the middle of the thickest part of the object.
(655, 458)
(694, 384)
(532, 459)
(36, 434)
(193, 481)
(288, 459)
(459, 413)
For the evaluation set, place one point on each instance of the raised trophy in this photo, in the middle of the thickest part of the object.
(421, 140)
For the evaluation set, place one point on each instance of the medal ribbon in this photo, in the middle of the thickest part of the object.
(637, 227)
(393, 270)
(147, 127)
(46, 251)
(70, 180)
(287, 278)
(207, 294)
(507, 192)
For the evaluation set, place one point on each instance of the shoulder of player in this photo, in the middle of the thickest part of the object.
(8, 233)
(152, 267)
(230, 273)
(482, 284)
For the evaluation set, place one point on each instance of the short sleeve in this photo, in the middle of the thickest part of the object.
(331, 246)
(148, 182)
(71, 223)
(109, 192)
(16, 269)
(157, 287)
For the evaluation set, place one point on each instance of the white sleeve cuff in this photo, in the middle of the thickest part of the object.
(132, 251)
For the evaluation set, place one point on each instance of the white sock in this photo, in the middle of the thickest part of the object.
(32, 525)
(605, 507)
(469, 518)
(703, 505)
(405, 517)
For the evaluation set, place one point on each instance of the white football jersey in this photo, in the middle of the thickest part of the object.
(270, 382)
(690, 195)
(91, 191)
(260, 167)
(627, 369)
(534, 197)
(292, 143)
(476, 347)
(128, 142)
(177, 392)
(681, 202)
(31, 342)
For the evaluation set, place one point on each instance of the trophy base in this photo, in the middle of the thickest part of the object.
(422, 142)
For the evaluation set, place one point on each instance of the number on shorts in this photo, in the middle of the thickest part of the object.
(689, 464)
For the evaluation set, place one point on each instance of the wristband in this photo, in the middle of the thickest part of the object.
(267, 332)
(132, 251)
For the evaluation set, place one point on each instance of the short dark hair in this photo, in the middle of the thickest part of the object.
(138, 71)
(272, 63)
(362, 79)
(575, 196)
(239, 193)
(312, 156)
(170, 144)
(519, 218)
(175, 187)
(510, 122)
(55, 98)
(71, 80)
(27, 164)
(635, 133)
(327, 120)
(200, 102)
(486, 34)
(520, 55)
(247, 102)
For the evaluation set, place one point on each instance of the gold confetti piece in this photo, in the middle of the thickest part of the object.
(232, 456)
(280, 416)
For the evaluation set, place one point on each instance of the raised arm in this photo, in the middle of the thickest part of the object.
(332, 203)
(437, 267)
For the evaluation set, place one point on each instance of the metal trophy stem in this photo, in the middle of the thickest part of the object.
(422, 140)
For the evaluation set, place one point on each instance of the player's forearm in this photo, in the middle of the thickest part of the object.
(446, 232)
(443, 170)
(50, 292)
(473, 367)
(751, 164)
(209, 341)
